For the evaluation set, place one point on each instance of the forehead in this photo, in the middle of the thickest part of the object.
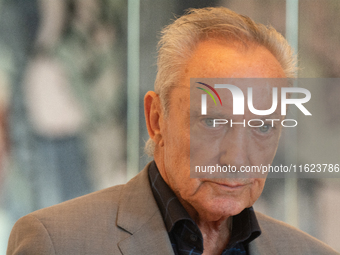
(218, 59)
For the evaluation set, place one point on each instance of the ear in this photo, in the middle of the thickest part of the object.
(153, 117)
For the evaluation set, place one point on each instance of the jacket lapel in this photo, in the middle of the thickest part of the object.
(138, 214)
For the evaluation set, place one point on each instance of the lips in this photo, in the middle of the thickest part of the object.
(232, 185)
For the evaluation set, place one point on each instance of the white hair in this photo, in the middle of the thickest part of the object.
(180, 39)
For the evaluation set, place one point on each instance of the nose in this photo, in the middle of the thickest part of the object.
(234, 148)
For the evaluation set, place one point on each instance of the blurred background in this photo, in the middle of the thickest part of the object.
(73, 74)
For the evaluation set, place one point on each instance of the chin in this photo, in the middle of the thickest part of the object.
(217, 209)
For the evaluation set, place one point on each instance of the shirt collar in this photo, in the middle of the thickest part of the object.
(245, 225)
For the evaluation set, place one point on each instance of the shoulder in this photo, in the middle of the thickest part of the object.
(87, 224)
(84, 206)
(103, 204)
(282, 238)
(67, 226)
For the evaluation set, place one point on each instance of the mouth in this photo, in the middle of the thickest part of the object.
(230, 186)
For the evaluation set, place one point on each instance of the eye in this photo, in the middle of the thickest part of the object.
(209, 122)
(265, 128)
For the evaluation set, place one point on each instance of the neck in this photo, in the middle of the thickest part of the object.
(216, 235)
(216, 232)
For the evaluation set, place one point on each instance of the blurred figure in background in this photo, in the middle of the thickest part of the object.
(70, 85)
(60, 59)
(54, 114)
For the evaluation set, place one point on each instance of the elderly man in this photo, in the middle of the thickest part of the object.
(162, 210)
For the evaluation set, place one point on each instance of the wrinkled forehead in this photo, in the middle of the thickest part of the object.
(213, 59)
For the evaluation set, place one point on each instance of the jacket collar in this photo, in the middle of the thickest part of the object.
(139, 215)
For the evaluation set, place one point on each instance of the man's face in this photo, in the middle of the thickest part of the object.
(215, 199)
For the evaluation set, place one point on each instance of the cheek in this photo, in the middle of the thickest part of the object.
(184, 186)
(177, 140)
(263, 152)
(256, 190)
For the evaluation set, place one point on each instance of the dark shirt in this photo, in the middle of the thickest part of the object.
(184, 234)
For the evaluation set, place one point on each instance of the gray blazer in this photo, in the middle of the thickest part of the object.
(125, 220)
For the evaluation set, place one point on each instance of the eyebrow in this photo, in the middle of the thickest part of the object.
(274, 115)
(212, 113)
